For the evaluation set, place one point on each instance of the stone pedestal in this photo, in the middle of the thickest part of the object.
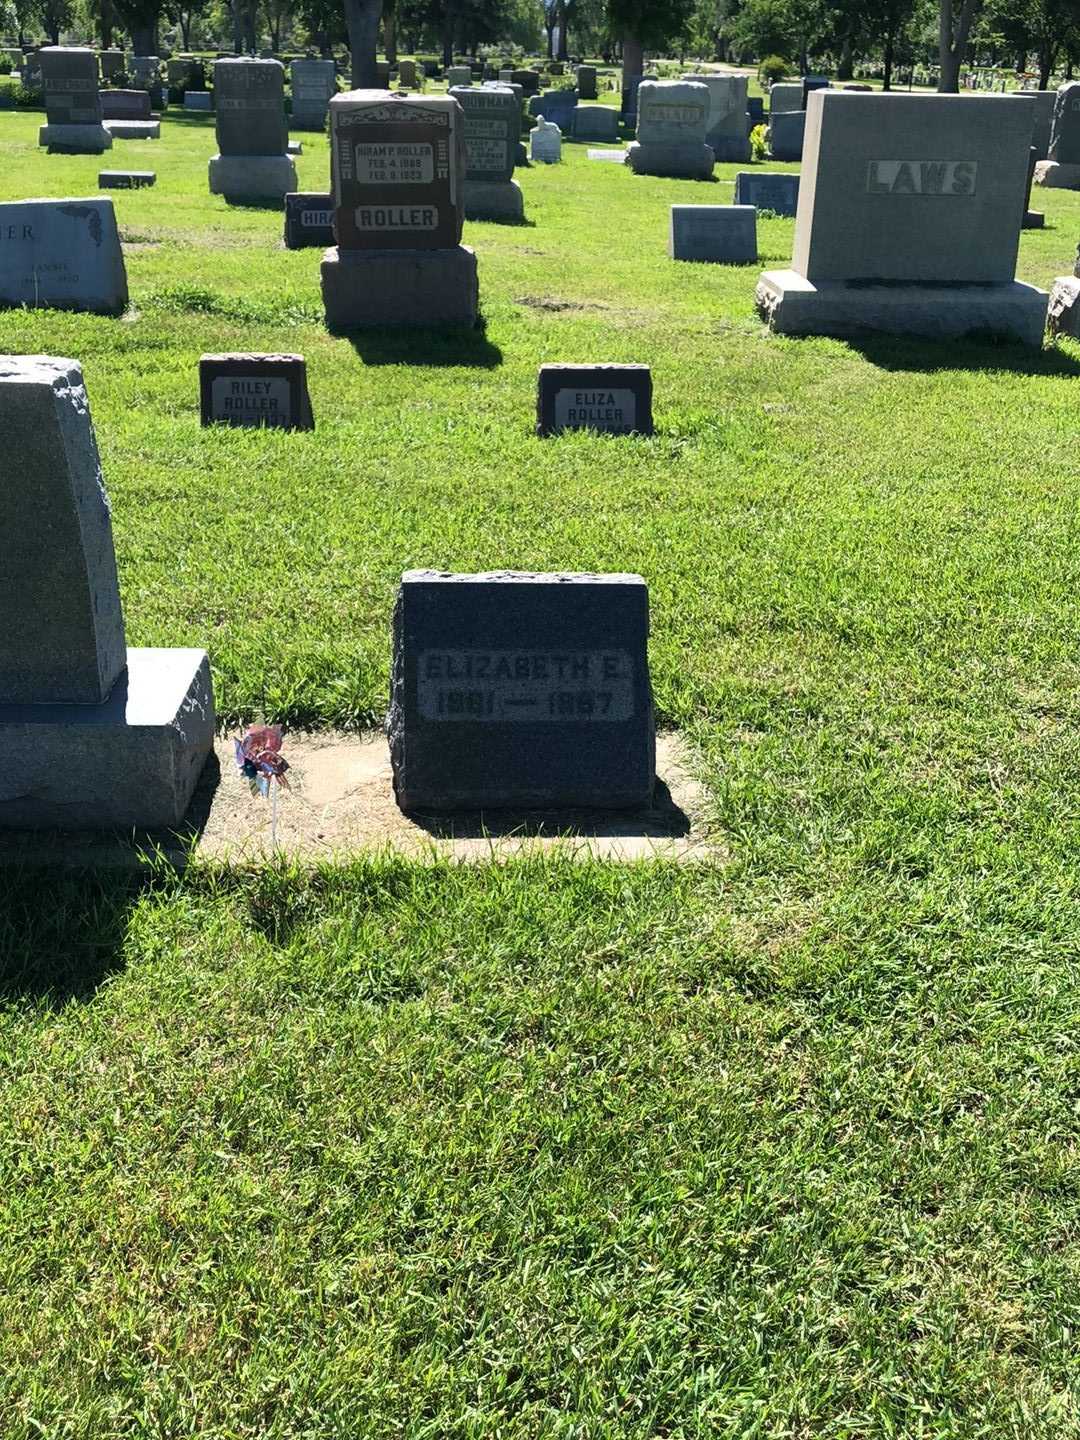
(494, 200)
(1063, 311)
(1056, 176)
(792, 305)
(252, 177)
(134, 129)
(686, 162)
(75, 139)
(399, 288)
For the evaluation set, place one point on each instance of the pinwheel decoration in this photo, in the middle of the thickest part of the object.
(261, 763)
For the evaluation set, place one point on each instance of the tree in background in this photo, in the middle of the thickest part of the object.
(1049, 28)
(955, 18)
(362, 23)
(646, 25)
(54, 16)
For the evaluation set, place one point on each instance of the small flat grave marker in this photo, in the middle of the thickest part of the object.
(309, 220)
(254, 391)
(125, 179)
(616, 399)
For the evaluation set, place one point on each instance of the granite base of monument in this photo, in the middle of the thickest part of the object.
(400, 288)
(494, 200)
(793, 305)
(75, 139)
(1063, 310)
(132, 761)
(1055, 176)
(252, 177)
(512, 690)
(134, 129)
(681, 162)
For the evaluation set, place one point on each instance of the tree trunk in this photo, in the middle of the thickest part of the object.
(362, 21)
(886, 83)
(448, 38)
(560, 15)
(105, 22)
(184, 17)
(237, 26)
(389, 30)
(142, 39)
(845, 67)
(1047, 56)
(251, 36)
(951, 46)
(633, 67)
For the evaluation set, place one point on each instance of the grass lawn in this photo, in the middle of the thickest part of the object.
(785, 1146)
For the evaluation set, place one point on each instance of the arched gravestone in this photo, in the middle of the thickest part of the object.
(93, 734)
(908, 220)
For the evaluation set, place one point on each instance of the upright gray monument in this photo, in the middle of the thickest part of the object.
(908, 220)
(249, 112)
(73, 123)
(672, 118)
(492, 130)
(313, 84)
(728, 133)
(1061, 169)
(397, 165)
(94, 735)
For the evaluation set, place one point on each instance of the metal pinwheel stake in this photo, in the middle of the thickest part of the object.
(260, 761)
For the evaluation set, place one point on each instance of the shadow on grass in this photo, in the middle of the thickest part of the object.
(239, 202)
(889, 352)
(664, 819)
(436, 346)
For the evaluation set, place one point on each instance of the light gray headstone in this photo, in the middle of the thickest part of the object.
(62, 636)
(62, 255)
(672, 112)
(1065, 128)
(313, 82)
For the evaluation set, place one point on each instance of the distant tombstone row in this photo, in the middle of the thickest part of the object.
(398, 168)
(920, 245)
(249, 110)
(95, 734)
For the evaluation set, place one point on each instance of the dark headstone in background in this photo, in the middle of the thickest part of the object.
(309, 219)
(768, 190)
(255, 390)
(515, 691)
(612, 398)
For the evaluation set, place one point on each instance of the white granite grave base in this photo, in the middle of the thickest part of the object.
(1063, 311)
(134, 129)
(252, 177)
(792, 305)
(494, 200)
(399, 288)
(729, 150)
(131, 762)
(75, 139)
(1057, 177)
(684, 162)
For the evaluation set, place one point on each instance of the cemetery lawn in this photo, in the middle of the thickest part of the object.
(781, 1145)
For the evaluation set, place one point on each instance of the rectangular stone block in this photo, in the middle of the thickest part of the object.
(125, 105)
(197, 100)
(585, 80)
(255, 391)
(401, 289)
(398, 167)
(616, 399)
(249, 107)
(727, 132)
(721, 233)
(521, 691)
(313, 83)
(134, 129)
(70, 77)
(915, 188)
(309, 220)
(687, 162)
(62, 255)
(259, 178)
(125, 179)
(768, 190)
(785, 95)
(596, 122)
(787, 132)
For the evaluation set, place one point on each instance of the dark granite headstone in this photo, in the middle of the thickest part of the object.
(521, 691)
(309, 220)
(616, 399)
(810, 83)
(125, 105)
(755, 110)
(255, 390)
(529, 80)
(249, 107)
(125, 179)
(768, 190)
(70, 77)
